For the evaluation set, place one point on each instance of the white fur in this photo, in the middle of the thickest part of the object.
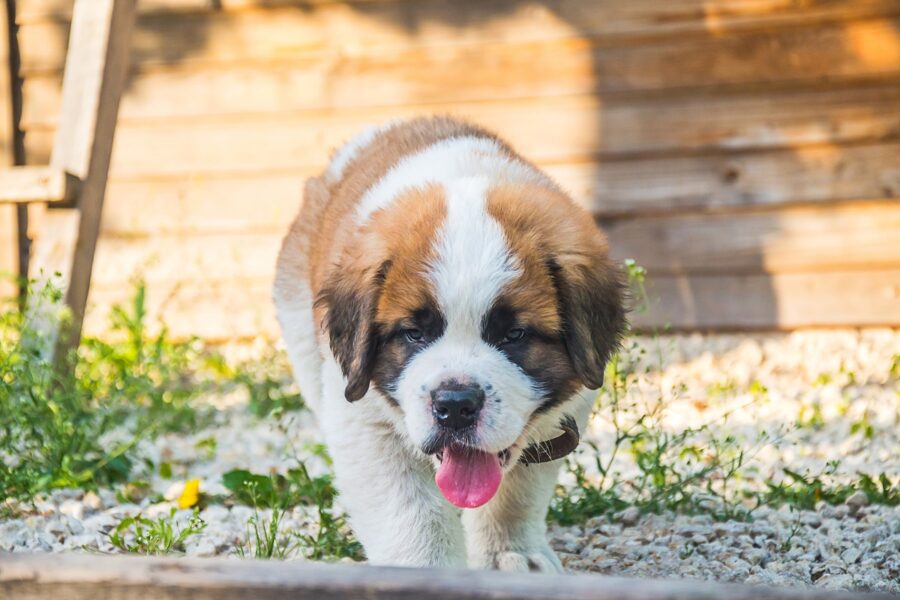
(446, 162)
(295, 316)
(386, 482)
(346, 153)
(472, 267)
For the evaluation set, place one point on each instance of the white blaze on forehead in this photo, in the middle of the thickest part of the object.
(443, 163)
(473, 261)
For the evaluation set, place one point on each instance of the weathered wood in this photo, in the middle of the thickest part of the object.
(221, 103)
(773, 301)
(801, 175)
(9, 221)
(95, 76)
(217, 311)
(201, 205)
(675, 16)
(75, 577)
(844, 237)
(865, 49)
(208, 258)
(36, 184)
(805, 174)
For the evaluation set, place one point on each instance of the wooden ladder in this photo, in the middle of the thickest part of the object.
(74, 184)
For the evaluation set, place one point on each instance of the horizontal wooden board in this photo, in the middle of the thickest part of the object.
(35, 184)
(446, 21)
(780, 301)
(186, 259)
(196, 206)
(580, 126)
(594, 15)
(803, 175)
(217, 311)
(845, 237)
(610, 188)
(865, 49)
(96, 577)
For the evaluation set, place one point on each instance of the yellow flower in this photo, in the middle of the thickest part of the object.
(190, 495)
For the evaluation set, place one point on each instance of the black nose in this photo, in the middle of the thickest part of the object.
(456, 406)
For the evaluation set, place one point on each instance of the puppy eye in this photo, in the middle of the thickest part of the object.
(513, 335)
(414, 336)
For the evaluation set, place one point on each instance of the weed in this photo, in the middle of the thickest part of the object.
(51, 434)
(806, 490)
(141, 535)
(331, 539)
(269, 541)
(79, 427)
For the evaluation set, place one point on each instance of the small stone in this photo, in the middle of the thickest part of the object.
(203, 547)
(72, 508)
(92, 502)
(851, 555)
(605, 566)
(857, 500)
(835, 582)
(755, 556)
(836, 512)
(630, 516)
(56, 528)
(811, 519)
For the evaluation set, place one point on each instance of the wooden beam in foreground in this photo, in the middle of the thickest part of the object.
(95, 577)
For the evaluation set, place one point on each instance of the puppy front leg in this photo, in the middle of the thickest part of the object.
(394, 506)
(510, 532)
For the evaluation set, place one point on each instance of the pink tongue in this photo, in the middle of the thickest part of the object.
(468, 478)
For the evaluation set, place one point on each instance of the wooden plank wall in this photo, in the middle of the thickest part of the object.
(747, 152)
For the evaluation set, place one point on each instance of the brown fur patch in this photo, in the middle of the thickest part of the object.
(333, 226)
(568, 279)
(407, 229)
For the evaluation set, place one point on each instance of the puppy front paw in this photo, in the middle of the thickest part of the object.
(537, 561)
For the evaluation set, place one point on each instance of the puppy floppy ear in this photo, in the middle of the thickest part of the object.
(591, 297)
(350, 299)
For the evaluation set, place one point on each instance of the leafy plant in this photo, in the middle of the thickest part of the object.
(141, 535)
(79, 427)
(279, 493)
(806, 490)
(51, 433)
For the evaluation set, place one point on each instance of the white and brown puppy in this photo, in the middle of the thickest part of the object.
(446, 309)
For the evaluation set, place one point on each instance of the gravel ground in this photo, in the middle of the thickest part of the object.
(742, 385)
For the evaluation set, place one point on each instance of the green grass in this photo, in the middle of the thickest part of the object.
(79, 427)
(331, 539)
(693, 470)
(159, 536)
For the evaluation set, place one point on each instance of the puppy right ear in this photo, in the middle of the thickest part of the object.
(350, 299)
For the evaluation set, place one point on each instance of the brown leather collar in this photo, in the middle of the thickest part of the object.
(555, 448)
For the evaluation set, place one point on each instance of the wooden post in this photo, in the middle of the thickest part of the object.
(95, 75)
(9, 228)
(93, 577)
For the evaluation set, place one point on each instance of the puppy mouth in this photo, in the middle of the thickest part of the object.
(503, 455)
(468, 477)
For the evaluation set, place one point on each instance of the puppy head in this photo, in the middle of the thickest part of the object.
(474, 307)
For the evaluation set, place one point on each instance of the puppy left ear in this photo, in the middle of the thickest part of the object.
(591, 294)
(350, 299)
